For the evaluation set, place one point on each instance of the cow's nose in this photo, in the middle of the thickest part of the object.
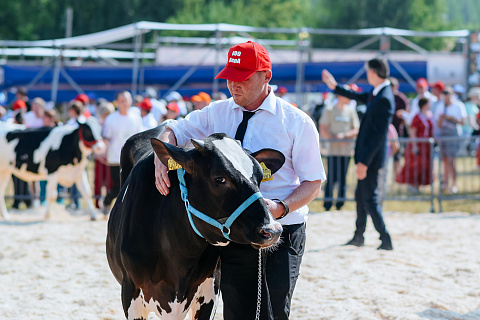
(270, 233)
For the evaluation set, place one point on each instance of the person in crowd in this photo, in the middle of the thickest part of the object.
(3, 112)
(158, 106)
(459, 91)
(148, 120)
(401, 105)
(173, 111)
(370, 146)
(34, 118)
(422, 92)
(470, 128)
(281, 92)
(51, 118)
(22, 94)
(118, 127)
(338, 122)
(84, 100)
(450, 123)
(92, 103)
(174, 96)
(298, 181)
(102, 171)
(201, 100)
(21, 188)
(437, 90)
(417, 169)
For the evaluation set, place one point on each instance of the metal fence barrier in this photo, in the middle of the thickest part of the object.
(415, 173)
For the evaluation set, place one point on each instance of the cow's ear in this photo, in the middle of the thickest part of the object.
(165, 151)
(273, 159)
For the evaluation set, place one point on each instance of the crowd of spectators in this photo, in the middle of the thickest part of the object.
(435, 111)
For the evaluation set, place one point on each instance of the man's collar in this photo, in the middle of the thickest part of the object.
(382, 85)
(269, 104)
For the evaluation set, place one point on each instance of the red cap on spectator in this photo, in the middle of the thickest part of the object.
(244, 60)
(196, 98)
(19, 104)
(173, 106)
(282, 90)
(146, 104)
(438, 85)
(83, 98)
(422, 82)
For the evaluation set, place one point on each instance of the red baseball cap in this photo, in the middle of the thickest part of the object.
(19, 104)
(438, 85)
(282, 90)
(146, 104)
(422, 82)
(174, 107)
(244, 60)
(83, 98)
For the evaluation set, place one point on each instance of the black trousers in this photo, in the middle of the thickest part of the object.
(367, 204)
(22, 193)
(337, 173)
(113, 193)
(239, 277)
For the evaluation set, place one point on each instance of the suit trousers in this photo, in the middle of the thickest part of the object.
(281, 268)
(366, 196)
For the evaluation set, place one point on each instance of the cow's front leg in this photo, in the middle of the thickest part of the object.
(4, 178)
(52, 194)
(84, 188)
(205, 301)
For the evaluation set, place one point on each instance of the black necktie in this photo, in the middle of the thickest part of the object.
(242, 127)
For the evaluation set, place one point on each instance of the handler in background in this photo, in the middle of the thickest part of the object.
(255, 116)
(371, 146)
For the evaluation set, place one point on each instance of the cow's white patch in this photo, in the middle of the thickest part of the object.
(221, 244)
(205, 293)
(140, 309)
(237, 157)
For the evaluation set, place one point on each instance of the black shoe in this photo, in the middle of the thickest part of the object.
(385, 246)
(356, 241)
(327, 209)
(386, 243)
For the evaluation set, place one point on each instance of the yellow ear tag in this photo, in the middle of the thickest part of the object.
(173, 165)
(267, 173)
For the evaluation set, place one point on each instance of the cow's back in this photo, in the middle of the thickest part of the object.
(136, 148)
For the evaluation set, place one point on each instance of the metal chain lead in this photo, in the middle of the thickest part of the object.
(259, 287)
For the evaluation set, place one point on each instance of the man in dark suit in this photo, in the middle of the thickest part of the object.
(371, 146)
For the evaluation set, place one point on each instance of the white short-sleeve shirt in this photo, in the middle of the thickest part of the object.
(276, 125)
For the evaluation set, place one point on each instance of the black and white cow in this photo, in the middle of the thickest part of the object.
(163, 265)
(58, 155)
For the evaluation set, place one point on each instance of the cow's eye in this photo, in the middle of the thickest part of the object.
(220, 180)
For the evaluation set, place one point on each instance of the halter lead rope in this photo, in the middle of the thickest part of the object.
(225, 227)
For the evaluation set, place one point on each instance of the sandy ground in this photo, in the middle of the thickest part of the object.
(58, 269)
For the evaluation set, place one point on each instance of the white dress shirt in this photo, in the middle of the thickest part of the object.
(277, 125)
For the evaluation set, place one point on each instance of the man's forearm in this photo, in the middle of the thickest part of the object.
(303, 194)
(168, 136)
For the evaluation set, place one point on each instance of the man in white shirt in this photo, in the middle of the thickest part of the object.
(118, 127)
(278, 125)
(34, 118)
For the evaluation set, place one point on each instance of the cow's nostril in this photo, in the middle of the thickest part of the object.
(265, 234)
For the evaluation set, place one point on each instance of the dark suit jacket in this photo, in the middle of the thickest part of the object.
(371, 144)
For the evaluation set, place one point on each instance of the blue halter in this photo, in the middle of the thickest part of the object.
(224, 228)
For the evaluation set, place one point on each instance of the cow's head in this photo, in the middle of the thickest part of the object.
(221, 176)
(90, 134)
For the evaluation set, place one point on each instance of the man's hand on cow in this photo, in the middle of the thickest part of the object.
(162, 182)
(276, 208)
(329, 80)
(361, 171)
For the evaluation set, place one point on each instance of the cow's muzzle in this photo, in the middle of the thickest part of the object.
(269, 235)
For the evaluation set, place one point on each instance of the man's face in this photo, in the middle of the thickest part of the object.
(124, 102)
(248, 92)
(421, 89)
